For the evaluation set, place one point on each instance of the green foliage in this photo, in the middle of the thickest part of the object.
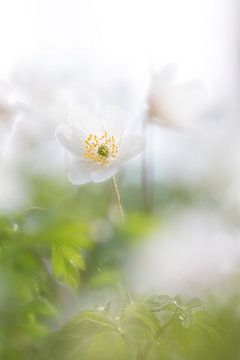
(139, 329)
(67, 261)
(66, 251)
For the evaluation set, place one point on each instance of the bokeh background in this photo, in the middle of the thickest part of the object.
(174, 67)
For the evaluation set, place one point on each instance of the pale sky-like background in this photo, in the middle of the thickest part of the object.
(130, 37)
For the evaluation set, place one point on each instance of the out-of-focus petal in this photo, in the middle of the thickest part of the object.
(131, 147)
(174, 104)
(113, 120)
(103, 173)
(70, 138)
(82, 119)
(80, 171)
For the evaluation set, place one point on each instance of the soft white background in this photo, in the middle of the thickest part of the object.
(129, 37)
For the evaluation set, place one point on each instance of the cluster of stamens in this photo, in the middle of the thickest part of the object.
(100, 149)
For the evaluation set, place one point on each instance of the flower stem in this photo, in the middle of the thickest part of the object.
(118, 199)
(146, 175)
(144, 353)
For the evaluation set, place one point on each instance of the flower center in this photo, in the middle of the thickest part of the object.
(100, 149)
(103, 150)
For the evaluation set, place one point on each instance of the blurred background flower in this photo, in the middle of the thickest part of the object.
(175, 105)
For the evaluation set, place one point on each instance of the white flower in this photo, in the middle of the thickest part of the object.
(99, 147)
(11, 110)
(175, 104)
(9, 105)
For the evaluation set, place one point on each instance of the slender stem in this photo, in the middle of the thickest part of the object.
(147, 191)
(118, 199)
(143, 355)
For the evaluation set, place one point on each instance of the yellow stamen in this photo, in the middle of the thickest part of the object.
(100, 149)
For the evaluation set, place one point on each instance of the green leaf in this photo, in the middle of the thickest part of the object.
(99, 318)
(142, 314)
(66, 263)
(194, 304)
(160, 302)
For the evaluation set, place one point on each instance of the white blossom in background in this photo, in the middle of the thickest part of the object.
(9, 106)
(174, 104)
(99, 147)
(10, 109)
(45, 94)
(12, 191)
(31, 137)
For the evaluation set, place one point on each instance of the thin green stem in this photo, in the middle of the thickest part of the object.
(146, 175)
(118, 198)
(143, 355)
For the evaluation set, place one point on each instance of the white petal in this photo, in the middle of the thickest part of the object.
(82, 119)
(131, 147)
(71, 138)
(103, 173)
(113, 120)
(80, 171)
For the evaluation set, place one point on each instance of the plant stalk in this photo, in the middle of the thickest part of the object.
(143, 355)
(146, 175)
(118, 198)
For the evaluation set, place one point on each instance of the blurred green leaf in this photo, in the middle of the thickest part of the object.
(140, 313)
(66, 263)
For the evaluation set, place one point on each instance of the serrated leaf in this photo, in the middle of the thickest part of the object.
(161, 302)
(41, 306)
(143, 314)
(66, 263)
(99, 318)
(194, 304)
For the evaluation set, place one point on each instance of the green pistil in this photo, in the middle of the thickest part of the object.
(103, 150)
